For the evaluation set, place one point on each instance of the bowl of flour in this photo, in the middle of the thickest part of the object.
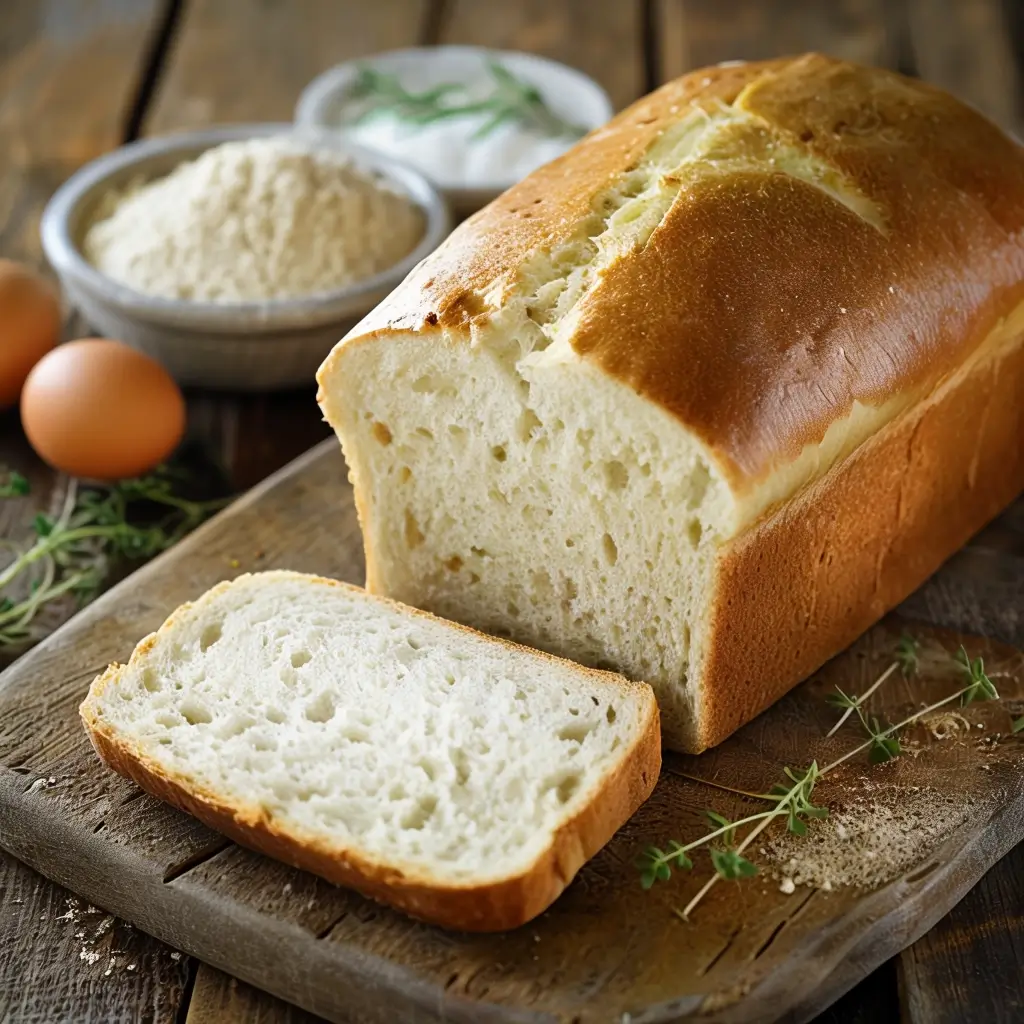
(238, 255)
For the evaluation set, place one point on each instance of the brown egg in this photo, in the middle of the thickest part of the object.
(99, 409)
(29, 325)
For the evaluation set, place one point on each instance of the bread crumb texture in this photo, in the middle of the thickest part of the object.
(589, 523)
(355, 724)
(568, 421)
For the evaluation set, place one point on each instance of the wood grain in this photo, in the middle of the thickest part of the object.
(696, 33)
(65, 960)
(68, 74)
(873, 1001)
(217, 998)
(600, 37)
(967, 48)
(754, 953)
(248, 60)
(68, 77)
(968, 967)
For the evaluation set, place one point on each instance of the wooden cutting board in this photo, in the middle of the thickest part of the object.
(607, 951)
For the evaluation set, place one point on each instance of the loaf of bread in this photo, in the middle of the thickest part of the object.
(455, 776)
(706, 396)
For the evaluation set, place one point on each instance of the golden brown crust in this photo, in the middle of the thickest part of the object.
(762, 308)
(495, 906)
(808, 580)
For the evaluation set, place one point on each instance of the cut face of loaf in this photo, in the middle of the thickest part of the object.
(704, 398)
(457, 777)
(538, 501)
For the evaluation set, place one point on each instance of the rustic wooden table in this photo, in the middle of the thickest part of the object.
(78, 77)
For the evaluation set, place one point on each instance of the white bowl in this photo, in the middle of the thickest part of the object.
(248, 346)
(570, 94)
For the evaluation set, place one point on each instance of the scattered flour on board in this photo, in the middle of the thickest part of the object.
(92, 925)
(246, 221)
(868, 841)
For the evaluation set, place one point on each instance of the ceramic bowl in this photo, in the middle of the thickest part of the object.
(250, 346)
(567, 92)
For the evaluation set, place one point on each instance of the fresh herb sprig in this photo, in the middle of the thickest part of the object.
(906, 658)
(511, 100)
(792, 798)
(74, 551)
(979, 686)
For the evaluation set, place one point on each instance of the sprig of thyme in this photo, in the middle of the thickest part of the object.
(979, 687)
(512, 99)
(792, 799)
(74, 551)
(906, 658)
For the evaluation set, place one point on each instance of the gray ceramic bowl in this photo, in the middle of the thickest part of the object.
(250, 346)
(568, 92)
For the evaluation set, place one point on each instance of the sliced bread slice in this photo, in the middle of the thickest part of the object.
(460, 778)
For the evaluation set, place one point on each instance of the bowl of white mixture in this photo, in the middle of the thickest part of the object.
(473, 120)
(237, 256)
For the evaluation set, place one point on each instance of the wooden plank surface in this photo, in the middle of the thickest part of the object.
(217, 998)
(248, 60)
(68, 80)
(968, 967)
(696, 33)
(65, 960)
(967, 48)
(68, 74)
(604, 949)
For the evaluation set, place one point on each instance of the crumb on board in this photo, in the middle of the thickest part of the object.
(869, 841)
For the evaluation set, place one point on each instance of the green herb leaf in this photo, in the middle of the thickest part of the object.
(74, 551)
(839, 699)
(908, 655)
(512, 99)
(883, 748)
(980, 687)
(731, 865)
(722, 822)
(795, 824)
(16, 486)
(678, 856)
(1018, 724)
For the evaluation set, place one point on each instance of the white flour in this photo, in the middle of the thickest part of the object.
(253, 220)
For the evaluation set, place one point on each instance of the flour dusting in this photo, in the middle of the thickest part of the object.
(869, 841)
